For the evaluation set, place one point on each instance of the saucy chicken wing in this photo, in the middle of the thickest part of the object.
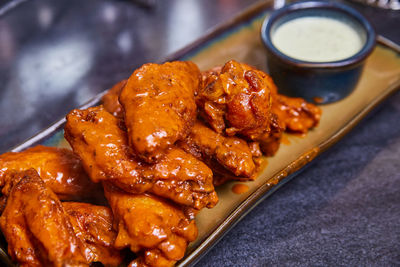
(296, 114)
(60, 169)
(37, 230)
(159, 106)
(42, 231)
(153, 228)
(93, 225)
(99, 140)
(110, 100)
(239, 99)
(180, 177)
(236, 100)
(226, 156)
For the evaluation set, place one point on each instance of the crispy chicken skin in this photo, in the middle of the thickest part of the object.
(150, 225)
(159, 106)
(110, 100)
(93, 225)
(60, 169)
(224, 155)
(236, 100)
(95, 135)
(37, 230)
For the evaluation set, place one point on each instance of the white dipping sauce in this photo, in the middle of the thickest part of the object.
(317, 39)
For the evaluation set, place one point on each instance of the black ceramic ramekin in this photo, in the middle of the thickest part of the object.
(318, 82)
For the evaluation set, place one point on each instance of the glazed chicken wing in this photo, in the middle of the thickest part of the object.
(96, 136)
(110, 100)
(153, 228)
(93, 225)
(159, 106)
(239, 99)
(180, 177)
(226, 156)
(41, 231)
(296, 114)
(37, 230)
(236, 100)
(60, 169)
(100, 140)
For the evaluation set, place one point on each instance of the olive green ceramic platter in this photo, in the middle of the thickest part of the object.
(239, 39)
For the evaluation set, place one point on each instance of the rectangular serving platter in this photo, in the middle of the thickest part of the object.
(239, 39)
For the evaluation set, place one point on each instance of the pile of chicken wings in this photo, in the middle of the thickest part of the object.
(142, 165)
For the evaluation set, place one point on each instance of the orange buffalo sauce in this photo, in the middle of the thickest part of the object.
(285, 140)
(240, 188)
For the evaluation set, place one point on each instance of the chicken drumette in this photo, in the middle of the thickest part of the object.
(159, 106)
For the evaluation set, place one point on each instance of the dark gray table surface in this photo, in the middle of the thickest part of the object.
(342, 211)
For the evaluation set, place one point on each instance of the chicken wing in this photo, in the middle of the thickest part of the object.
(110, 100)
(296, 114)
(271, 141)
(60, 169)
(93, 225)
(100, 140)
(152, 227)
(239, 99)
(37, 230)
(159, 106)
(180, 177)
(226, 156)
(96, 136)
(236, 100)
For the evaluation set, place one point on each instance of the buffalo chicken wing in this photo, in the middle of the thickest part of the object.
(157, 230)
(60, 169)
(226, 156)
(159, 106)
(37, 230)
(93, 225)
(238, 99)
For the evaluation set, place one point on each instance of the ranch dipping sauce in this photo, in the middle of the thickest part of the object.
(317, 39)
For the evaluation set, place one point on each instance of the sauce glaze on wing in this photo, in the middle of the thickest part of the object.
(148, 224)
(236, 100)
(159, 106)
(96, 136)
(60, 169)
(93, 225)
(226, 156)
(37, 230)
(110, 100)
